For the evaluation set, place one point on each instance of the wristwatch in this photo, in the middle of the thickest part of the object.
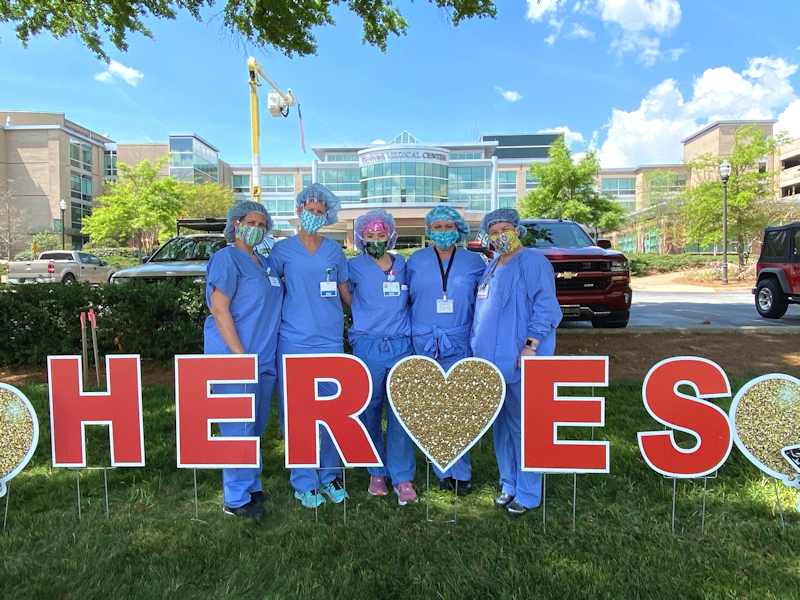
(531, 343)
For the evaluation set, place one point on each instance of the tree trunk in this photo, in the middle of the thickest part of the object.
(740, 251)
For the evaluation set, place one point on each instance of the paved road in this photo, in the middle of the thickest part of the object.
(700, 309)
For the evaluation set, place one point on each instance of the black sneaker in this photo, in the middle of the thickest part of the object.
(446, 484)
(259, 497)
(462, 487)
(503, 500)
(515, 509)
(251, 510)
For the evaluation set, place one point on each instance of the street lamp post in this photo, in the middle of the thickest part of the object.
(724, 173)
(63, 206)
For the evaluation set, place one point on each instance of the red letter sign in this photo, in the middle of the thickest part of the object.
(692, 414)
(305, 410)
(71, 409)
(543, 411)
(196, 408)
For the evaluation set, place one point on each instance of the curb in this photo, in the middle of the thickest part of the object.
(684, 330)
(689, 289)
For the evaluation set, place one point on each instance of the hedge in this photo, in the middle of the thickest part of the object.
(649, 264)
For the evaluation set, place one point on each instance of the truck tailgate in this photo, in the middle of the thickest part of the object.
(22, 272)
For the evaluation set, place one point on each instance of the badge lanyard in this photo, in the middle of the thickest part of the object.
(483, 288)
(445, 274)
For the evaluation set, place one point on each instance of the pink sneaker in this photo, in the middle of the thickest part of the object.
(405, 493)
(377, 486)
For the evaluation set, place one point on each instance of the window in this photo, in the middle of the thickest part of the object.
(192, 160)
(78, 212)
(278, 183)
(622, 186)
(530, 181)
(466, 155)
(507, 180)
(508, 201)
(81, 187)
(563, 235)
(110, 163)
(306, 180)
(341, 180)
(775, 244)
(80, 155)
(240, 183)
(796, 249)
(341, 157)
(188, 248)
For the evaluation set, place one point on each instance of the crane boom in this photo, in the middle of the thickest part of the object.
(278, 104)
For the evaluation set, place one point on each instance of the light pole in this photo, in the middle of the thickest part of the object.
(63, 206)
(724, 173)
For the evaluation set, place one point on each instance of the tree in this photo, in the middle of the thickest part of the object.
(566, 190)
(46, 242)
(206, 200)
(13, 232)
(136, 206)
(284, 26)
(752, 197)
(665, 200)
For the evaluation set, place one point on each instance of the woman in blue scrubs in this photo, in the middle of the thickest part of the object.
(442, 281)
(516, 315)
(380, 336)
(245, 299)
(315, 274)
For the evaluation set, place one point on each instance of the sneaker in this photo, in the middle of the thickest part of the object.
(503, 500)
(311, 499)
(259, 497)
(446, 484)
(251, 510)
(449, 484)
(377, 486)
(515, 509)
(334, 491)
(405, 493)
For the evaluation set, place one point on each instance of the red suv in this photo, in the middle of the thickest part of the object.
(778, 271)
(593, 282)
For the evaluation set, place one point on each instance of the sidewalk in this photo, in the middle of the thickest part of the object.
(666, 282)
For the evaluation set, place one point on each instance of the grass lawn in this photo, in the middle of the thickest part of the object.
(152, 547)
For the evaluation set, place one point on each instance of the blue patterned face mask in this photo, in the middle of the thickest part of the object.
(312, 223)
(444, 239)
(250, 235)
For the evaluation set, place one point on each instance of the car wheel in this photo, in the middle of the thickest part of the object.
(68, 279)
(771, 302)
(617, 320)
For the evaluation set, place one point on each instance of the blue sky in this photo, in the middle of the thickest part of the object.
(629, 77)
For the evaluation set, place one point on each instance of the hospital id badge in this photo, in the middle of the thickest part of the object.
(444, 306)
(327, 289)
(274, 281)
(483, 291)
(391, 289)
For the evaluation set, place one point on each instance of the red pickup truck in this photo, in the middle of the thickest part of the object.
(593, 282)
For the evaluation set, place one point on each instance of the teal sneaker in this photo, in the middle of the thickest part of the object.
(334, 491)
(311, 499)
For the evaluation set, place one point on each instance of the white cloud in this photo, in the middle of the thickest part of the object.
(509, 95)
(118, 70)
(579, 31)
(570, 137)
(652, 133)
(538, 8)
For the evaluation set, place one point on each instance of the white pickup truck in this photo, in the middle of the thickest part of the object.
(60, 266)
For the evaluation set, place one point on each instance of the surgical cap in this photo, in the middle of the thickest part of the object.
(364, 223)
(237, 212)
(502, 215)
(447, 213)
(317, 192)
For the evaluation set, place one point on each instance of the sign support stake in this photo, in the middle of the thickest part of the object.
(574, 498)
(544, 501)
(780, 507)
(674, 489)
(196, 510)
(105, 485)
(5, 517)
(78, 480)
(703, 521)
(344, 485)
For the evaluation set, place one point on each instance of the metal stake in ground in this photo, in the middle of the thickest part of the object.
(544, 501)
(78, 479)
(674, 488)
(703, 521)
(196, 510)
(5, 517)
(574, 497)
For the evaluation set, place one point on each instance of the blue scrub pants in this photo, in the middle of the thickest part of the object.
(525, 486)
(238, 484)
(307, 479)
(380, 355)
(462, 470)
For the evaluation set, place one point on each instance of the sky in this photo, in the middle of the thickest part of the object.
(630, 78)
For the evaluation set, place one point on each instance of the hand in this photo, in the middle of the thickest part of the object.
(526, 351)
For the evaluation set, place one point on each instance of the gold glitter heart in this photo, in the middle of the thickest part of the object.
(19, 433)
(766, 418)
(445, 414)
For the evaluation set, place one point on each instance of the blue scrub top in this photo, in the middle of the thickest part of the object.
(425, 288)
(307, 318)
(255, 305)
(521, 303)
(373, 312)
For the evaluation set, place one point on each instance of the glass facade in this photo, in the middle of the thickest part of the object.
(240, 184)
(466, 155)
(192, 160)
(620, 187)
(507, 180)
(279, 206)
(397, 182)
(472, 185)
(81, 187)
(340, 180)
(78, 212)
(110, 163)
(282, 183)
(405, 138)
(341, 157)
(80, 155)
(306, 180)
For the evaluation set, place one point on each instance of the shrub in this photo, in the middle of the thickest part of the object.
(649, 264)
(156, 321)
(25, 255)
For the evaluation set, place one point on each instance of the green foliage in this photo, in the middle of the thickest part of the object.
(154, 320)
(566, 190)
(152, 548)
(25, 255)
(46, 241)
(650, 264)
(104, 244)
(284, 26)
(205, 200)
(752, 203)
(137, 205)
